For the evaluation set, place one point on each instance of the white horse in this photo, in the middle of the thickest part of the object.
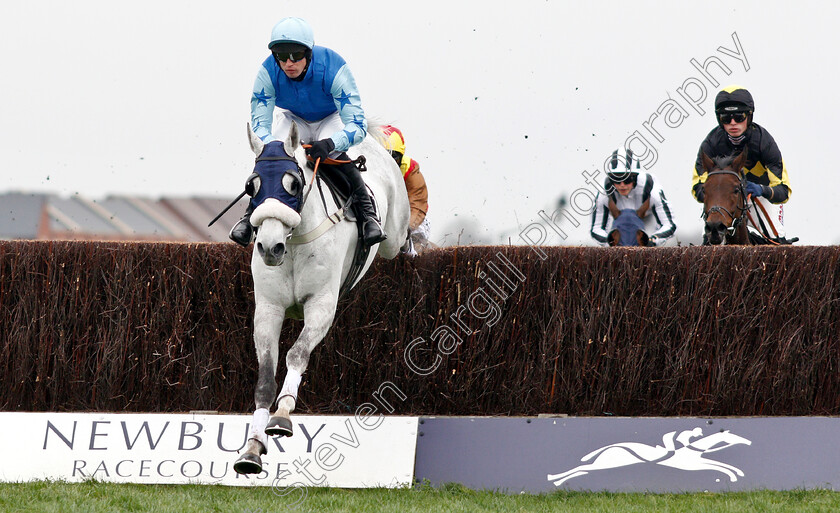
(293, 274)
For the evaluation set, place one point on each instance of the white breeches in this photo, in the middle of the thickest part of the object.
(310, 131)
(776, 214)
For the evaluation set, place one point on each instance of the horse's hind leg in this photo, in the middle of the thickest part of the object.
(318, 315)
(268, 319)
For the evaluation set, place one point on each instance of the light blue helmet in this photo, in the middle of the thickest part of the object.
(292, 30)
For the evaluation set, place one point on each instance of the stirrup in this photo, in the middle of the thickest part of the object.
(242, 232)
(408, 248)
(370, 240)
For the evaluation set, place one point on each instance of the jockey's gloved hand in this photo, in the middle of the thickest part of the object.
(321, 149)
(754, 189)
(652, 240)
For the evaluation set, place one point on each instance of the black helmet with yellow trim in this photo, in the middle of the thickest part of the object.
(734, 100)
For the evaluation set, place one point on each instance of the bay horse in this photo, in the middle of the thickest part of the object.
(303, 252)
(725, 200)
(628, 229)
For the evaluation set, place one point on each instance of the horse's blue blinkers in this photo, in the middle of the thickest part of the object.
(276, 175)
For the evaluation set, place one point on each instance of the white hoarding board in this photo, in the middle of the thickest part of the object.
(332, 451)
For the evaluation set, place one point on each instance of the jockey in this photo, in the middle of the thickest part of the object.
(313, 87)
(415, 185)
(766, 174)
(627, 188)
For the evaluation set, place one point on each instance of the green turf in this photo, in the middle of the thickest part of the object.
(95, 497)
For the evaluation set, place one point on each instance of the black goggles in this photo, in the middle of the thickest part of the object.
(739, 117)
(292, 56)
(625, 178)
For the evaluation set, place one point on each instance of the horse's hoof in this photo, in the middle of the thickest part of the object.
(248, 463)
(279, 426)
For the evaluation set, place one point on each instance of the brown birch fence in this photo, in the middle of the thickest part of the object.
(458, 331)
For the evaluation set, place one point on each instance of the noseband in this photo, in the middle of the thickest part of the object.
(736, 221)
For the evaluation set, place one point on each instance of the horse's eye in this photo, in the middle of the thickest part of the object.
(252, 186)
(291, 183)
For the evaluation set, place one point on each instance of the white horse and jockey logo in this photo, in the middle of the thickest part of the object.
(687, 457)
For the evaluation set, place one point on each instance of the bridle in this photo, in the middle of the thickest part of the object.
(249, 187)
(331, 219)
(736, 221)
(287, 159)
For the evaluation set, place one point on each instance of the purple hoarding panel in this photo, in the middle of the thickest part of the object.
(630, 454)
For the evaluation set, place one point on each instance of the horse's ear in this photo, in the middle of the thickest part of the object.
(256, 143)
(292, 140)
(643, 209)
(708, 163)
(739, 161)
(614, 237)
(613, 209)
(642, 238)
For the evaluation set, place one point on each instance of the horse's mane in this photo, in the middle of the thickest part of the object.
(723, 162)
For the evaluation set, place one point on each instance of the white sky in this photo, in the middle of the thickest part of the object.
(504, 104)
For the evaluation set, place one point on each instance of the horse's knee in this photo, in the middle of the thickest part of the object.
(297, 358)
(266, 383)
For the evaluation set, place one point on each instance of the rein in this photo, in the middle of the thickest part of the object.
(736, 221)
(359, 162)
(767, 216)
(243, 193)
(769, 221)
(331, 219)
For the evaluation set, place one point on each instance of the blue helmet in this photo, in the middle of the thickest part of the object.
(292, 30)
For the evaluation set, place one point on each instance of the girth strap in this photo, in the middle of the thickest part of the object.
(321, 229)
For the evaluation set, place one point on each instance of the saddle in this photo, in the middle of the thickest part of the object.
(340, 190)
(341, 194)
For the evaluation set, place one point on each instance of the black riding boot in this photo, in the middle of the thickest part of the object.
(372, 231)
(242, 232)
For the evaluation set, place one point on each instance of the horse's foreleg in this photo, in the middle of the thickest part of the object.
(268, 320)
(318, 315)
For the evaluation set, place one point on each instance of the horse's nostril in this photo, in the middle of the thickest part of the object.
(260, 249)
(715, 227)
(279, 249)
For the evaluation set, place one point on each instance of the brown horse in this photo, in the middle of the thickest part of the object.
(725, 200)
(628, 228)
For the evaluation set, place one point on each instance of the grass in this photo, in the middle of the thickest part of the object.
(95, 497)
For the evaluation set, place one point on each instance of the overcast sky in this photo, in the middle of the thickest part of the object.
(503, 104)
